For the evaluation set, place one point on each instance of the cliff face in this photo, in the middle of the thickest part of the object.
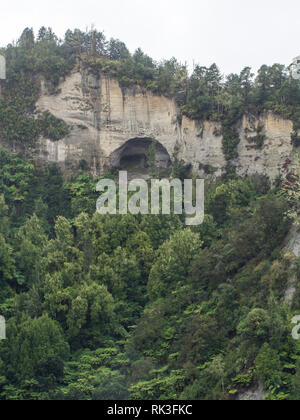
(109, 124)
(292, 245)
(277, 146)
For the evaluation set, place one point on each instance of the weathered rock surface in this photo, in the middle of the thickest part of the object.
(276, 148)
(293, 246)
(103, 117)
(257, 395)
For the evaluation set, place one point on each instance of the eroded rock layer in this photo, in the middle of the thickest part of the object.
(103, 117)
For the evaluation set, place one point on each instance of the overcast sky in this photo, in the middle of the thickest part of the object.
(232, 33)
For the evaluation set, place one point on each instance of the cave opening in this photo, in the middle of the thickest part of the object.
(133, 158)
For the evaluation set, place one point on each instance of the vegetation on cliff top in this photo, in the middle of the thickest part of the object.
(205, 94)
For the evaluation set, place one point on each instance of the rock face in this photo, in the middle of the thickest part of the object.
(257, 395)
(103, 118)
(295, 68)
(2, 68)
(275, 150)
(292, 245)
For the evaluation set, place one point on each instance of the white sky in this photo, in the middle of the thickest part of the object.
(232, 33)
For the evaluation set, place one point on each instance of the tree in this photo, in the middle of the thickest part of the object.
(7, 267)
(204, 338)
(31, 241)
(268, 366)
(255, 327)
(117, 50)
(160, 228)
(110, 385)
(74, 41)
(46, 35)
(91, 313)
(95, 43)
(228, 196)
(26, 41)
(295, 393)
(246, 83)
(173, 263)
(29, 344)
(4, 219)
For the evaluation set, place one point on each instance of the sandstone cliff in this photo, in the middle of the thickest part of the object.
(108, 124)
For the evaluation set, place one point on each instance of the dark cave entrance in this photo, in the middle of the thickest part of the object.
(133, 157)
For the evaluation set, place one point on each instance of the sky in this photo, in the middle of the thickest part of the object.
(232, 33)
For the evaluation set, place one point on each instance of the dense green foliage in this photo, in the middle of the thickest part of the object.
(26, 62)
(116, 307)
